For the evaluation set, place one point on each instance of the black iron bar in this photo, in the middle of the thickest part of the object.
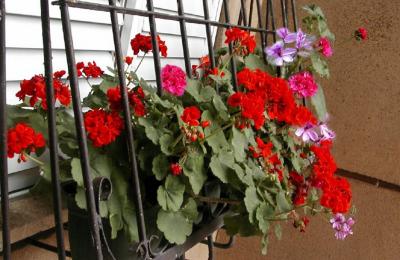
(284, 13)
(210, 245)
(182, 24)
(3, 137)
(294, 15)
(80, 131)
(46, 246)
(242, 15)
(53, 143)
(154, 41)
(194, 238)
(273, 25)
(233, 63)
(262, 34)
(208, 34)
(251, 12)
(107, 8)
(128, 126)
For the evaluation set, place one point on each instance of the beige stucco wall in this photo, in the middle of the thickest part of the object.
(363, 97)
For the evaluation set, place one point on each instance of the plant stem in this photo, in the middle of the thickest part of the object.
(34, 159)
(140, 62)
(216, 200)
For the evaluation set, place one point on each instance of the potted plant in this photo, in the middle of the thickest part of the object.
(257, 147)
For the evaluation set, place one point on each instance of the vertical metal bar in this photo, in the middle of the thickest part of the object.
(80, 130)
(210, 244)
(186, 55)
(273, 25)
(284, 13)
(53, 146)
(208, 33)
(233, 64)
(242, 16)
(251, 12)
(3, 137)
(128, 125)
(294, 14)
(154, 41)
(262, 34)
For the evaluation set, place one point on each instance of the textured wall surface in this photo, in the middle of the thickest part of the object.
(363, 94)
(376, 234)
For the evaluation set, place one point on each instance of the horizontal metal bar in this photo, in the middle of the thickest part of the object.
(46, 246)
(123, 10)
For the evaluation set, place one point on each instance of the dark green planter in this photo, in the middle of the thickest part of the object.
(81, 242)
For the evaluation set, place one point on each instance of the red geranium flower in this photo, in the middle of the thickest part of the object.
(135, 97)
(361, 34)
(92, 70)
(143, 43)
(243, 42)
(22, 139)
(103, 127)
(191, 116)
(175, 168)
(128, 60)
(35, 90)
(337, 195)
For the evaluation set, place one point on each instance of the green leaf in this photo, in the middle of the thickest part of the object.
(190, 210)
(220, 107)
(239, 144)
(76, 171)
(102, 164)
(194, 169)
(175, 226)
(170, 195)
(318, 103)
(193, 89)
(207, 93)
(278, 231)
(218, 169)
(296, 162)
(253, 62)
(215, 138)
(264, 244)
(319, 65)
(283, 202)
(80, 198)
(160, 166)
(166, 142)
(108, 83)
(251, 201)
(264, 212)
(116, 224)
(151, 132)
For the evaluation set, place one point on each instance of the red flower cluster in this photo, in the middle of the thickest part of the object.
(361, 34)
(103, 127)
(143, 43)
(336, 191)
(264, 150)
(91, 70)
(22, 139)
(135, 97)
(191, 116)
(272, 94)
(243, 42)
(301, 190)
(176, 169)
(35, 89)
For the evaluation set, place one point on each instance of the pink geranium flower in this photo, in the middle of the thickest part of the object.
(303, 84)
(173, 80)
(325, 47)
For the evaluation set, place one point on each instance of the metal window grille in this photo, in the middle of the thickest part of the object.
(265, 29)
